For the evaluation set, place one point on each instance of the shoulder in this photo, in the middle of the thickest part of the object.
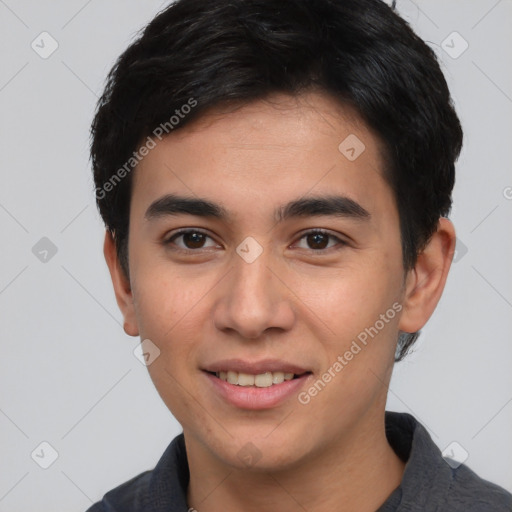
(471, 493)
(162, 489)
(432, 482)
(131, 496)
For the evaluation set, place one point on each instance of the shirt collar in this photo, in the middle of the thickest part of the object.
(427, 476)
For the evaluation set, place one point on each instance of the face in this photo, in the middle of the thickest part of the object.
(260, 247)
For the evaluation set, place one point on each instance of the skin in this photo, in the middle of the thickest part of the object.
(295, 303)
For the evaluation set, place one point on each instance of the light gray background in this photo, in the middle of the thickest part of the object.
(68, 374)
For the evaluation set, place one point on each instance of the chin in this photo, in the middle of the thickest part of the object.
(252, 451)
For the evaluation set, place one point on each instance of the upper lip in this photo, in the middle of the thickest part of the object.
(254, 367)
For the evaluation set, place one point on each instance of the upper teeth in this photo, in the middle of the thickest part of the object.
(262, 380)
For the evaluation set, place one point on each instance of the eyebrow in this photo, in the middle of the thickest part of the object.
(331, 205)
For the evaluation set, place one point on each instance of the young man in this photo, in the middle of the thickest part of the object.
(275, 177)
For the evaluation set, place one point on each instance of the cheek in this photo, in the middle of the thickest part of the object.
(171, 314)
(361, 312)
(164, 298)
(347, 300)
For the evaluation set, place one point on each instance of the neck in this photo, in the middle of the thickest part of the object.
(359, 470)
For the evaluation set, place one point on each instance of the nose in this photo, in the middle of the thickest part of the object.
(253, 300)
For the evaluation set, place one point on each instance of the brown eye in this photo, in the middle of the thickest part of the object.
(190, 240)
(319, 241)
(193, 240)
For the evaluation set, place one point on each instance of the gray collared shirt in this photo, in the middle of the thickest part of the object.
(429, 483)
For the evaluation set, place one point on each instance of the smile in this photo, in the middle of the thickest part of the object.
(261, 380)
(257, 390)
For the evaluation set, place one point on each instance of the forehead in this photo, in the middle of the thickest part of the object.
(265, 153)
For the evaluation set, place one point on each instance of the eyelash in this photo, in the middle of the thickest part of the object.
(341, 243)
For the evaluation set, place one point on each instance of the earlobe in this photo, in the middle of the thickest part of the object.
(426, 281)
(122, 287)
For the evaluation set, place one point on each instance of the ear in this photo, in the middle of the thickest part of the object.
(425, 282)
(121, 284)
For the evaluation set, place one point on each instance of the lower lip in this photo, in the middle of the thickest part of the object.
(254, 398)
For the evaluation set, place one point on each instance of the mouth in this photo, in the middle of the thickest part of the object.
(260, 380)
(256, 386)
